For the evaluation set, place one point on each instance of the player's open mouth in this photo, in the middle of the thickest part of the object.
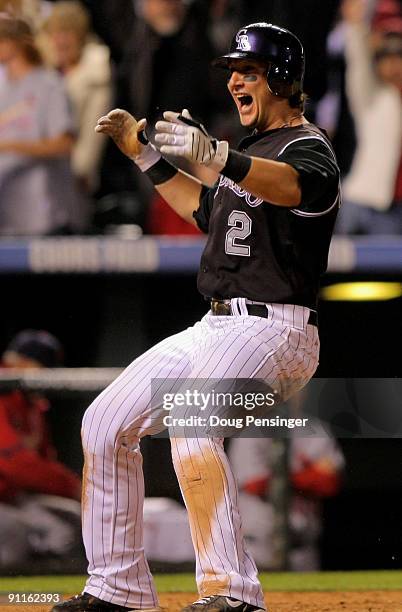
(244, 102)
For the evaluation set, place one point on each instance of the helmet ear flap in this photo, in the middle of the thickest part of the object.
(281, 83)
(268, 79)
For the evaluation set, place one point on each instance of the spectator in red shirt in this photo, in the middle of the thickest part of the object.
(34, 486)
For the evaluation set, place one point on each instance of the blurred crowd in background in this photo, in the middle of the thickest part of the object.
(65, 63)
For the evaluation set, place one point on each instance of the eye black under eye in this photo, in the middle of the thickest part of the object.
(242, 72)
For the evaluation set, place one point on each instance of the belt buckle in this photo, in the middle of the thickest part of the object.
(221, 307)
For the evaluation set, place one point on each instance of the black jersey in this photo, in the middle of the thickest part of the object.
(265, 252)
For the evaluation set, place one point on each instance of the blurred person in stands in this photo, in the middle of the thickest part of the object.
(316, 465)
(39, 507)
(332, 110)
(166, 59)
(387, 16)
(84, 63)
(113, 23)
(12, 7)
(166, 64)
(9, 7)
(38, 194)
(373, 188)
(223, 18)
(30, 10)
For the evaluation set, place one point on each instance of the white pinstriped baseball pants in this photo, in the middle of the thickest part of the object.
(282, 350)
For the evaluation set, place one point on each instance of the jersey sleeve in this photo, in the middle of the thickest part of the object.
(203, 212)
(318, 173)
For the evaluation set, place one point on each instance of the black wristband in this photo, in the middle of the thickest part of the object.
(161, 172)
(237, 166)
(142, 137)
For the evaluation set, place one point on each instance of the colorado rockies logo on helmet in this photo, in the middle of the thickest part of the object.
(242, 40)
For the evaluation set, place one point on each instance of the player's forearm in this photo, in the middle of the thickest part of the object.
(182, 193)
(274, 182)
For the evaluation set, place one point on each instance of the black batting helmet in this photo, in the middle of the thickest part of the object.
(276, 46)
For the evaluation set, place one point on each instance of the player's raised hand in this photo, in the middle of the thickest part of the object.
(126, 131)
(354, 11)
(181, 136)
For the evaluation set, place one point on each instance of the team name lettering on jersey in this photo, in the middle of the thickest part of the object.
(241, 193)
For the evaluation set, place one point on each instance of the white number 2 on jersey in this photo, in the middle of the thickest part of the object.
(240, 227)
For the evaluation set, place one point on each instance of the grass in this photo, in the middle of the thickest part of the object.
(320, 581)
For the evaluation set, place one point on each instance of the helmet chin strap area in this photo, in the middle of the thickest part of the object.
(271, 91)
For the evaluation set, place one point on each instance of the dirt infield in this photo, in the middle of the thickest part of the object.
(355, 601)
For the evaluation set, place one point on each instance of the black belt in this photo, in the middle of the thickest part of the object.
(222, 308)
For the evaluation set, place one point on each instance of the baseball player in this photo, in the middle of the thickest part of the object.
(269, 220)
